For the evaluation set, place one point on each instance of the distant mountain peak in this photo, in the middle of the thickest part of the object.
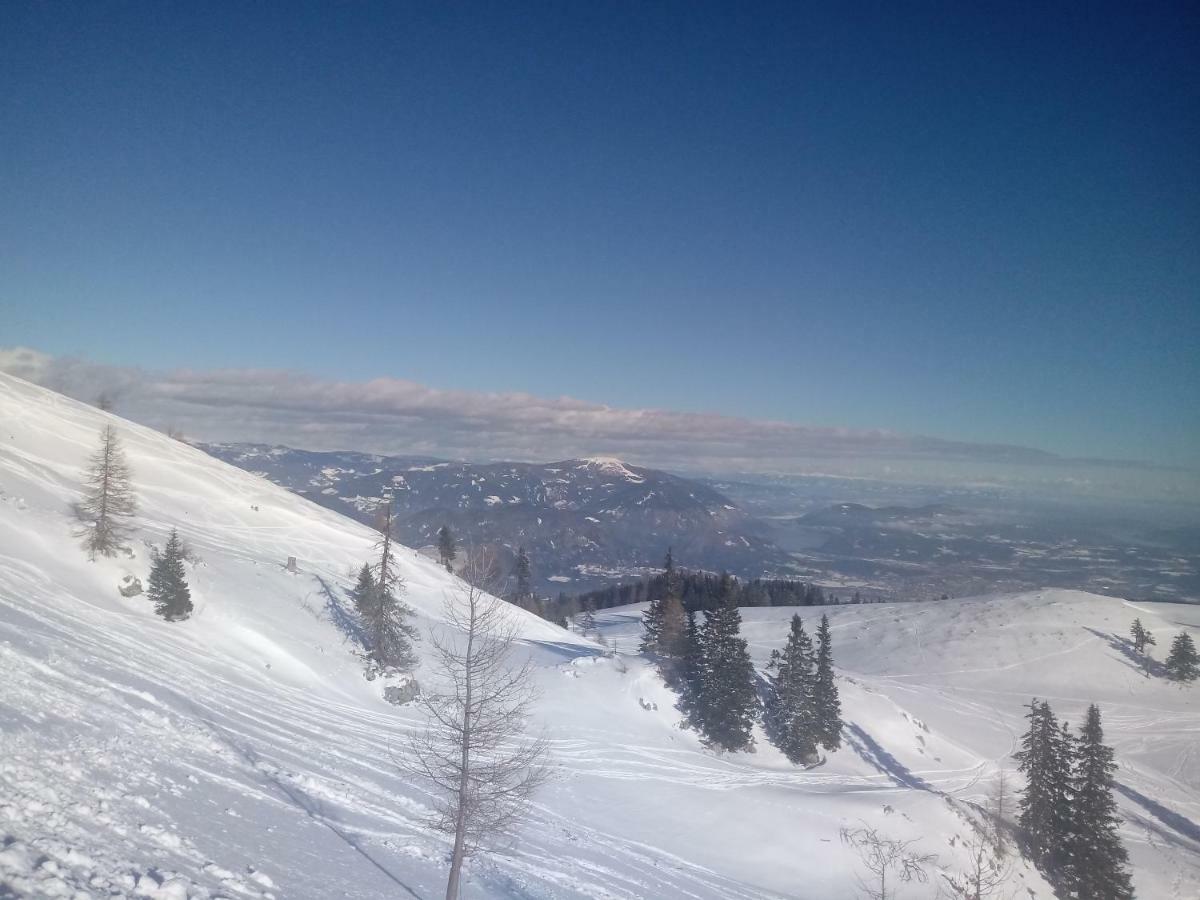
(611, 465)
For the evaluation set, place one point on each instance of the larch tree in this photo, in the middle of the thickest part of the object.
(475, 752)
(106, 511)
(167, 588)
(1182, 664)
(825, 693)
(889, 862)
(1099, 862)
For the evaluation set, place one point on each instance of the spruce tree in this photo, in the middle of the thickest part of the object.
(1060, 862)
(1037, 762)
(691, 670)
(1183, 665)
(1098, 860)
(447, 548)
(523, 592)
(587, 619)
(727, 701)
(168, 588)
(825, 692)
(363, 593)
(652, 617)
(791, 712)
(1139, 635)
(671, 632)
(389, 634)
(651, 627)
(108, 503)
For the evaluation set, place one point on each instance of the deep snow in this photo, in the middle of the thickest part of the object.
(242, 753)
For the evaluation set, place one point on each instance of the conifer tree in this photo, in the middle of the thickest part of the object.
(825, 692)
(691, 670)
(727, 701)
(447, 548)
(1183, 665)
(791, 712)
(1060, 862)
(587, 619)
(1037, 760)
(168, 589)
(671, 632)
(363, 593)
(523, 592)
(1098, 860)
(385, 616)
(108, 503)
(1139, 635)
(652, 617)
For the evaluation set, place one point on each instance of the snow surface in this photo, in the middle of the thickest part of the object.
(242, 753)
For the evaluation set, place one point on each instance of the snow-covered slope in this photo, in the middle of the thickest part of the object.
(936, 690)
(242, 754)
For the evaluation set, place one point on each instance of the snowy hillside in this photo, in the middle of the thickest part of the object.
(957, 673)
(242, 754)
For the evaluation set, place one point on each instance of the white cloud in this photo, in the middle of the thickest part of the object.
(387, 415)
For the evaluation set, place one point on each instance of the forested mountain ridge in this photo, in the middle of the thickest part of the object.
(583, 522)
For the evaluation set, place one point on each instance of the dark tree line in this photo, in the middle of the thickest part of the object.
(1068, 815)
(699, 592)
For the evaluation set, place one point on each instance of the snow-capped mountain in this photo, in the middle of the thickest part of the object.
(241, 753)
(582, 521)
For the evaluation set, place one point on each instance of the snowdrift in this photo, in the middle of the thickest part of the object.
(243, 754)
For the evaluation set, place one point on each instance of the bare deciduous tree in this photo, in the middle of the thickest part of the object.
(887, 860)
(475, 752)
(108, 501)
(1000, 807)
(985, 875)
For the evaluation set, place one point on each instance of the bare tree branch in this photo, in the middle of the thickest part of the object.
(475, 754)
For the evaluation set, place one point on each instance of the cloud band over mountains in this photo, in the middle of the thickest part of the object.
(393, 416)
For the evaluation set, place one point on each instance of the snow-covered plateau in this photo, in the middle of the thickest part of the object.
(242, 753)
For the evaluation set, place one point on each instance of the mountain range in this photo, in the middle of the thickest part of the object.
(583, 522)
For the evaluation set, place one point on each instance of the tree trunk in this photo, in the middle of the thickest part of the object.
(460, 824)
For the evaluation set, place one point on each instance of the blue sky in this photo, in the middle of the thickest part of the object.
(977, 223)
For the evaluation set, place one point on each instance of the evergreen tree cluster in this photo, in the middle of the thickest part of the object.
(1182, 664)
(710, 667)
(1068, 815)
(802, 710)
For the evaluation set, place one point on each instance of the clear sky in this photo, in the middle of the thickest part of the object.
(973, 221)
